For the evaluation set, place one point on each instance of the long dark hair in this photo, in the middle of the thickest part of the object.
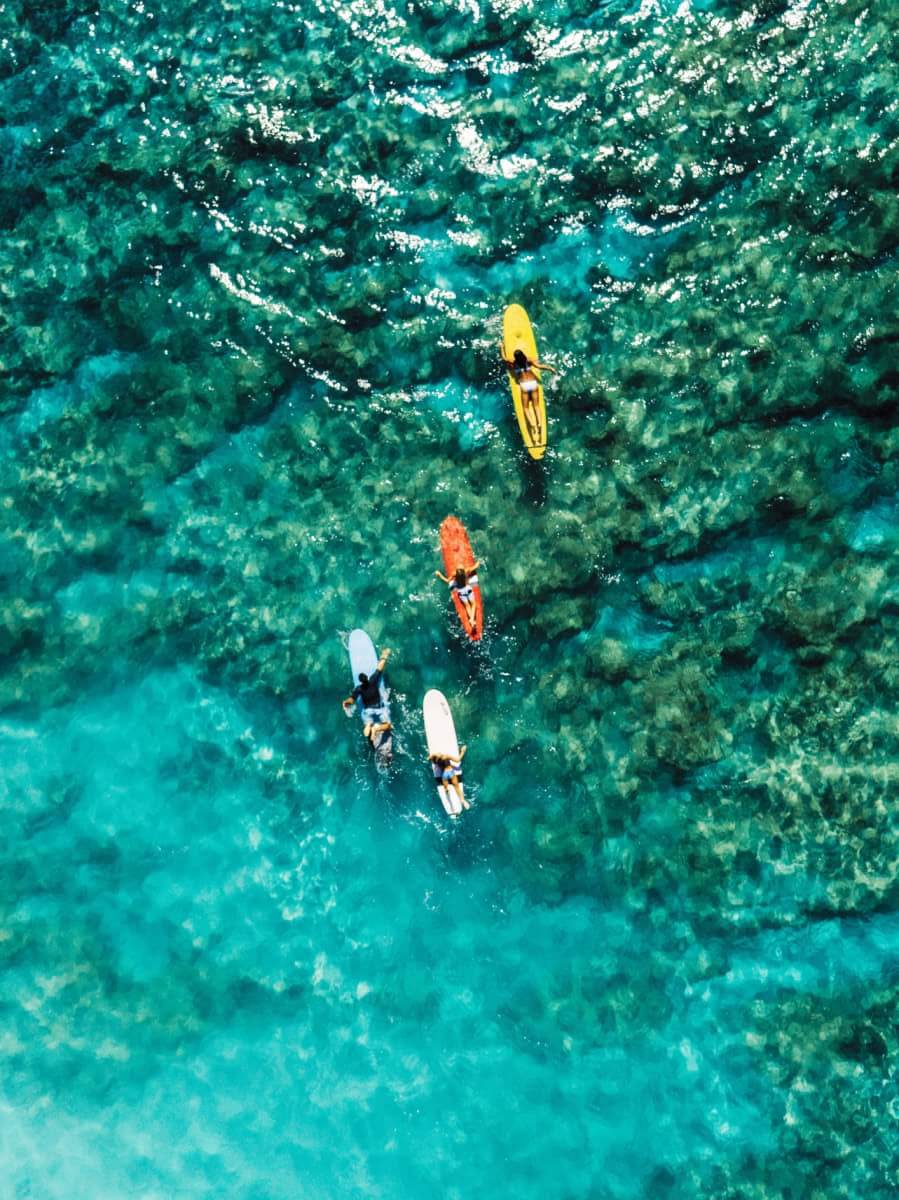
(520, 359)
(461, 576)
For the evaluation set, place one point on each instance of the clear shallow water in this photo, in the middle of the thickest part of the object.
(253, 266)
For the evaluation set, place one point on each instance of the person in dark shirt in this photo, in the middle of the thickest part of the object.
(374, 711)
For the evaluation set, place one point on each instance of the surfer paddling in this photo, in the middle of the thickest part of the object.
(448, 772)
(374, 713)
(522, 369)
(463, 583)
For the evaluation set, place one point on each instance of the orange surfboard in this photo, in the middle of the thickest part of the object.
(457, 553)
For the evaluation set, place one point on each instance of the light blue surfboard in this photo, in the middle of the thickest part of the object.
(364, 657)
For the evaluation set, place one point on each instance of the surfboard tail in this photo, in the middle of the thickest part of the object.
(449, 800)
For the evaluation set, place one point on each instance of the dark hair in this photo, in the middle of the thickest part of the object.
(461, 576)
(363, 678)
(520, 358)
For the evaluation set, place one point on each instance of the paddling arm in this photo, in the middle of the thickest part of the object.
(508, 363)
(445, 578)
(546, 367)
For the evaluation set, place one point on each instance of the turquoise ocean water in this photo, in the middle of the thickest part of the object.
(252, 269)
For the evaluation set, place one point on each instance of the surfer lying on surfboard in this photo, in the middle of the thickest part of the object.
(463, 584)
(368, 691)
(520, 368)
(448, 771)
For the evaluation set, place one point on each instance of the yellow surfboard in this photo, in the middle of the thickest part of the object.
(518, 335)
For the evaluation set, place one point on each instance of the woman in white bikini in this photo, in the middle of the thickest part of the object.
(520, 368)
(463, 584)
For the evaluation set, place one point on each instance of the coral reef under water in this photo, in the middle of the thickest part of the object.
(253, 268)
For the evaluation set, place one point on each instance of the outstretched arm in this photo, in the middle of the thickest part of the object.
(546, 367)
(445, 578)
(471, 570)
(382, 661)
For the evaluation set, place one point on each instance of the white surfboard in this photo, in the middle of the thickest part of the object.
(441, 737)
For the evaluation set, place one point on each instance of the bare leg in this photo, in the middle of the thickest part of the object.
(457, 785)
(534, 423)
(372, 731)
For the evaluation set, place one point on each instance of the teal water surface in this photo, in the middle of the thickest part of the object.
(253, 267)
